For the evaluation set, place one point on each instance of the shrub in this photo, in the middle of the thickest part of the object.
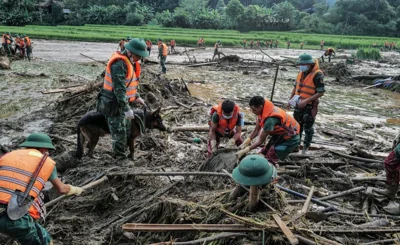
(368, 54)
(134, 19)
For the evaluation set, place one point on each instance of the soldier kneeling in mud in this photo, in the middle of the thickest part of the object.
(226, 121)
(392, 167)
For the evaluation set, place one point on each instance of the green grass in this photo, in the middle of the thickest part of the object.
(368, 54)
(110, 33)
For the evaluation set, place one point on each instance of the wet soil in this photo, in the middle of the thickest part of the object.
(96, 216)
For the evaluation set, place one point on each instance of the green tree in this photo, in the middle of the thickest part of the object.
(234, 11)
(285, 14)
(220, 6)
(134, 19)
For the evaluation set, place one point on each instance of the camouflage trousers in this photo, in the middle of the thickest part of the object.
(306, 120)
(118, 130)
(392, 167)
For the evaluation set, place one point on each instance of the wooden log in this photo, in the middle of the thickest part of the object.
(85, 187)
(356, 158)
(98, 61)
(371, 77)
(254, 197)
(308, 201)
(289, 235)
(304, 240)
(205, 240)
(343, 193)
(385, 241)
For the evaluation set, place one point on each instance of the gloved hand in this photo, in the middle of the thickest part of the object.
(129, 114)
(243, 152)
(245, 143)
(231, 143)
(213, 145)
(74, 190)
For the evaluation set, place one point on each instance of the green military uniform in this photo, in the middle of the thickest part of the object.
(25, 230)
(282, 147)
(163, 59)
(304, 116)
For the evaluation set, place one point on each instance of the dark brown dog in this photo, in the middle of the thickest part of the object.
(93, 125)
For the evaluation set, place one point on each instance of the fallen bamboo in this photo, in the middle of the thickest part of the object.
(85, 187)
(308, 201)
(345, 229)
(98, 61)
(394, 217)
(167, 174)
(305, 197)
(356, 158)
(375, 178)
(391, 241)
(304, 240)
(371, 77)
(181, 104)
(343, 193)
(204, 240)
(187, 227)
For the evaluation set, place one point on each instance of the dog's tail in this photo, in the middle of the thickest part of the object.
(79, 147)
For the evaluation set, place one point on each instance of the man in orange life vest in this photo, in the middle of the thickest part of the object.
(16, 169)
(162, 55)
(271, 120)
(149, 45)
(329, 52)
(226, 121)
(120, 89)
(28, 46)
(173, 44)
(309, 87)
(217, 45)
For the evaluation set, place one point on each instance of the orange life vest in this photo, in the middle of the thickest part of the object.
(131, 80)
(251, 42)
(137, 70)
(202, 40)
(27, 41)
(386, 43)
(225, 126)
(16, 169)
(8, 41)
(172, 42)
(3, 38)
(258, 43)
(329, 51)
(164, 49)
(305, 86)
(289, 127)
(244, 41)
(21, 43)
(16, 41)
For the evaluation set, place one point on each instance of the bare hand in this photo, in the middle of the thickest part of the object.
(302, 104)
(140, 101)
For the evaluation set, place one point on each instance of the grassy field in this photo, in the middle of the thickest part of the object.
(189, 37)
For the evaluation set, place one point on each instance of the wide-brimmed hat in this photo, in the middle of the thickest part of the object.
(305, 59)
(38, 140)
(254, 170)
(137, 46)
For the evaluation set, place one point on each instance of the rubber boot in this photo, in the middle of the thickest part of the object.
(390, 191)
(305, 149)
(393, 208)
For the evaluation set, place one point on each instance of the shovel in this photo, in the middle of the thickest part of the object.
(21, 201)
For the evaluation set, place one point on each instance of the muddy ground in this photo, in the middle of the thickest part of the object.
(350, 118)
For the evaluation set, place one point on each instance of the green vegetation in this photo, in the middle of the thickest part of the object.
(368, 54)
(344, 17)
(109, 33)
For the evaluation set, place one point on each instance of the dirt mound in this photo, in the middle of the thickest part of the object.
(230, 58)
(335, 69)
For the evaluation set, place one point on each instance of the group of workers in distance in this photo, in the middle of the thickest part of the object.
(388, 46)
(20, 44)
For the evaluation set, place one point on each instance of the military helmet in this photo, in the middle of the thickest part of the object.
(137, 46)
(38, 140)
(254, 170)
(305, 59)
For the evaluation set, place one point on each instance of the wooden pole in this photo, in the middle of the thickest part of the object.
(308, 201)
(273, 86)
(254, 197)
(343, 193)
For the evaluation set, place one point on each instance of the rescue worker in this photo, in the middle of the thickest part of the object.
(121, 45)
(386, 45)
(258, 43)
(251, 43)
(6, 42)
(322, 44)
(17, 44)
(391, 46)
(202, 41)
(271, 120)
(217, 45)
(307, 90)
(276, 43)
(199, 43)
(392, 167)
(22, 47)
(16, 169)
(28, 46)
(244, 43)
(266, 43)
(173, 44)
(329, 52)
(149, 45)
(119, 91)
(226, 121)
(162, 55)
(288, 44)
(301, 45)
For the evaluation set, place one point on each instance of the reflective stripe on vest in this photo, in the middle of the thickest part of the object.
(289, 127)
(131, 81)
(16, 169)
(305, 86)
(225, 126)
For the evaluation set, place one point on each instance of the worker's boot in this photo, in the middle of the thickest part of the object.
(390, 191)
(51, 242)
(305, 149)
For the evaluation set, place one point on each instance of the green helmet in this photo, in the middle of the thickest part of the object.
(38, 140)
(24, 35)
(305, 59)
(128, 38)
(8, 33)
(159, 39)
(254, 170)
(137, 46)
(219, 41)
